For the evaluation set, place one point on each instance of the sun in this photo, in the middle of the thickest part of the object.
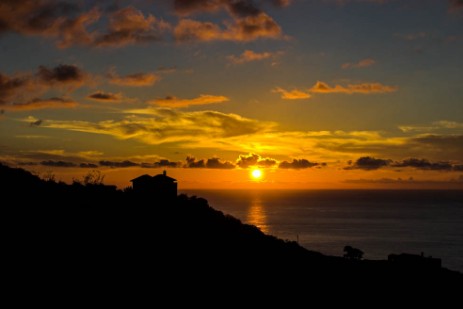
(256, 173)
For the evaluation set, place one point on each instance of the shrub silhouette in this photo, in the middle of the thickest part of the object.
(352, 253)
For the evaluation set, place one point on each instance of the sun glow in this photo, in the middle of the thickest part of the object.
(256, 174)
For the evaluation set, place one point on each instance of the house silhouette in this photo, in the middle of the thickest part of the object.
(414, 260)
(161, 185)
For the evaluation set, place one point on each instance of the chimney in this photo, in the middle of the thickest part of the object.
(164, 172)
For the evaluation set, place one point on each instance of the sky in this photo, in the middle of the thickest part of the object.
(332, 94)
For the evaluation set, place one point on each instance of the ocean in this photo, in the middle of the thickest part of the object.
(379, 222)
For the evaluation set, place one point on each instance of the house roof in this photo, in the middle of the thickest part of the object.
(159, 177)
(164, 178)
(146, 176)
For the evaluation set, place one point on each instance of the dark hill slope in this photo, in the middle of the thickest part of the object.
(96, 232)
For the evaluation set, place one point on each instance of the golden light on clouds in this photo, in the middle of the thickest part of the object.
(294, 94)
(203, 99)
(364, 88)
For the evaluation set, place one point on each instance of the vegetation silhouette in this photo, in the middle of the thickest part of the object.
(91, 230)
(353, 253)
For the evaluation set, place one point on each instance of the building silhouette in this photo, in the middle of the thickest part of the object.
(414, 260)
(161, 186)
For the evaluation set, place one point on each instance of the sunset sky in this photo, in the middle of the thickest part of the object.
(315, 93)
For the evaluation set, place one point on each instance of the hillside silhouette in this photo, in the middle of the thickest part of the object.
(89, 230)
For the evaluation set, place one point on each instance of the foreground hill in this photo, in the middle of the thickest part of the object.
(95, 232)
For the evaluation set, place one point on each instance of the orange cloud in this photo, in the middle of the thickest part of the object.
(41, 104)
(294, 94)
(129, 26)
(244, 29)
(364, 63)
(249, 55)
(365, 88)
(175, 102)
(133, 80)
(60, 20)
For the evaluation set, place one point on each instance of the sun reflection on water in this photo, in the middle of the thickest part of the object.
(256, 214)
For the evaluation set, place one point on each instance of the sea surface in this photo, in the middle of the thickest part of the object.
(379, 222)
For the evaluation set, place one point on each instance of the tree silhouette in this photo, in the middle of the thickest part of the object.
(352, 253)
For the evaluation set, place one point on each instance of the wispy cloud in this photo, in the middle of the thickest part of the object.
(412, 36)
(249, 56)
(161, 125)
(364, 63)
(365, 88)
(203, 99)
(435, 126)
(34, 104)
(294, 94)
(134, 79)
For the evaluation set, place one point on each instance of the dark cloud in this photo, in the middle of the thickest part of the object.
(160, 163)
(27, 163)
(218, 164)
(456, 4)
(10, 86)
(62, 73)
(213, 163)
(185, 7)
(458, 167)
(105, 96)
(252, 159)
(192, 163)
(58, 163)
(453, 144)
(281, 3)
(424, 164)
(88, 165)
(240, 8)
(243, 8)
(266, 162)
(125, 163)
(250, 21)
(22, 92)
(130, 26)
(441, 141)
(369, 163)
(36, 123)
(297, 164)
(61, 20)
